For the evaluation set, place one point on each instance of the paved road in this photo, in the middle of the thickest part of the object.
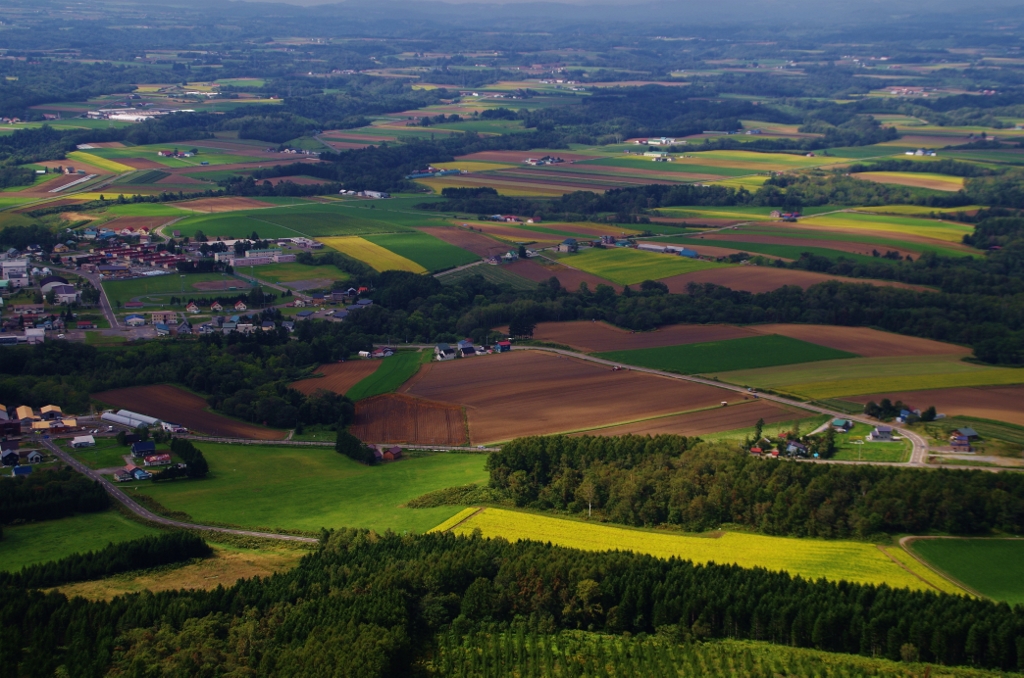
(145, 514)
(94, 280)
(918, 457)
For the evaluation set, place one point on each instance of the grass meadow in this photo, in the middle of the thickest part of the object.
(992, 567)
(853, 446)
(629, 267)
(53, 539)
(810, 558)
(392, 373)
(429, 252)
(293, 272)
(306, 488)
(498, 275)
(723, 356)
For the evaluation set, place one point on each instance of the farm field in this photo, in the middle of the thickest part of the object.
(337, 377)
(937, 182)
(321, 488)
(809, 558)
(477, 243)
(372, 254)
(569, 278)
(171, 403)
(121, 291)
(732, 354)
(227, 565)
(499, 275)
(294, 272)
(860, 376)
(535, 393)
(47, 540)
(714, 420)
(592, 337)
(1001, 403)
(945, 231)
(105, 454)
(854, 242)
(92, 160)
(781, 247)
(765, 279)
(392, 373)
(433, 254)
(396, 418)
(629, 267)
(863, 341)
(992, 567)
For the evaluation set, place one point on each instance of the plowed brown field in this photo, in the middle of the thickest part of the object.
(595, 337)
(863, 341)
(709, 421)
(569, 278)
(396, 418)
(141, 163)
(477, 243)
(170, 403)
(851, 247)
(765, 279)
(222, 204)
(1001, 403)
(338, 377)
(533, 393)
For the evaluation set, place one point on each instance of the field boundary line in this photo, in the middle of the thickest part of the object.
(479, 510)
(905, 545)
(901, 565)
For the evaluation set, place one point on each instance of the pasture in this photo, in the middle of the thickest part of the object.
(372, 254)
(431, 253)
(392, 373)
(629, 267)
(294, 272)
(858, 376)
(992, 567)
(248, 486)
(47, 540)
(724, 356)
(810, 558)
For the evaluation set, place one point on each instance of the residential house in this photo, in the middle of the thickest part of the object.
(51, 412)
(184, 327)
(83, 441)
(304, 315)
(468, 351)
(31, 456)
(267, 325)
(240, 306)
(842, 425)
(216, 307)
(140, 474)
(444, 352)
(797, 449)
(134, 320)
(382, 353)
(568, 245)
(503, 347)
(960, 443)
(967, 432)
(141, 449)
(159, 459)
(288, 325)
(192, 307)
(66, 294)
(364, 303)
(162, 330)
(123, 476)
(10, 457)
(881, 434)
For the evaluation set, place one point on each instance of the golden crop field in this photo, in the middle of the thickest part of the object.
(850, 221)
(454, 520)
(473, 166)
(742, 182)
(856, 376)
(915, 210)
(371, 254)
(809, 558)
(101, 163)
(938, 182)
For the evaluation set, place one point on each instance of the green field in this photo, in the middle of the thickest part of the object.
(724, 356)
(992, 567)
(106, 454)
(392, 373)
(629, 267)
(429, 252)
(498, 275)
(853, 446)
(120, 291)
(878, 242)
(811, 558)
(306, 488)
(293, 271)
(52, 539)
(670, 167)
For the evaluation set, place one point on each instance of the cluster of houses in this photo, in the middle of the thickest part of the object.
(117, 259)
(255, 258)
(510, 219)
(12, 455)
(176, 154)
(383, 454)
(677, 250)
(375, 195)
(785, 216)
(508, 257)
(546, 160)
(246, 324)
(49, 419)
(33, 320)
(921, 151)
(466, 349)
(384, 352)
(431, 171)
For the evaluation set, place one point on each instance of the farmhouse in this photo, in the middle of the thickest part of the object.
(32, 456)
(568, 245)
(881, 434)
(10, 458)
(842, 425)
(444, 352)
(123, 476)
(967, 432)
(141, 449)
(159, 459)
(240, 305)
(83, 441)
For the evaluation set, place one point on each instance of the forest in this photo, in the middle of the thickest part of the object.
(47, 496)
(392, 596)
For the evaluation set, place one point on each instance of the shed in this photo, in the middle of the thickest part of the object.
(21, 471)
(503, 346)
(967, 432)
(842, 424)
(83, 441)
(141, 449)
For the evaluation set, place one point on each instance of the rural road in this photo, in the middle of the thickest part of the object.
(129, 503)
(94, 280)
(918, 456)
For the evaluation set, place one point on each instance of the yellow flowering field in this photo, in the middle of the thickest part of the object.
(809, 558)
(371, 254)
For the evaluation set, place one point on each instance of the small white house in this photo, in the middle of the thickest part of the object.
(83, 441)
(881, 434)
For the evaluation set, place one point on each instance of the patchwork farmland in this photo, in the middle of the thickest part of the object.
(396, 418)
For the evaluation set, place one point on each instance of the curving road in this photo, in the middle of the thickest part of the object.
(133, 506)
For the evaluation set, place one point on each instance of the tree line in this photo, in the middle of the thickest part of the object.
(392, 596)
(50, 494)
(138, 554)
(674, 480)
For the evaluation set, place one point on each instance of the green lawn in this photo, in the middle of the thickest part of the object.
(854, 446)
(993, 567)
(308, 488)
(628, 266)
(173, 284)
(392, 373)
(723, 356)
(429, 252)
(292, 272)
(52, 539)
(106, 454)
